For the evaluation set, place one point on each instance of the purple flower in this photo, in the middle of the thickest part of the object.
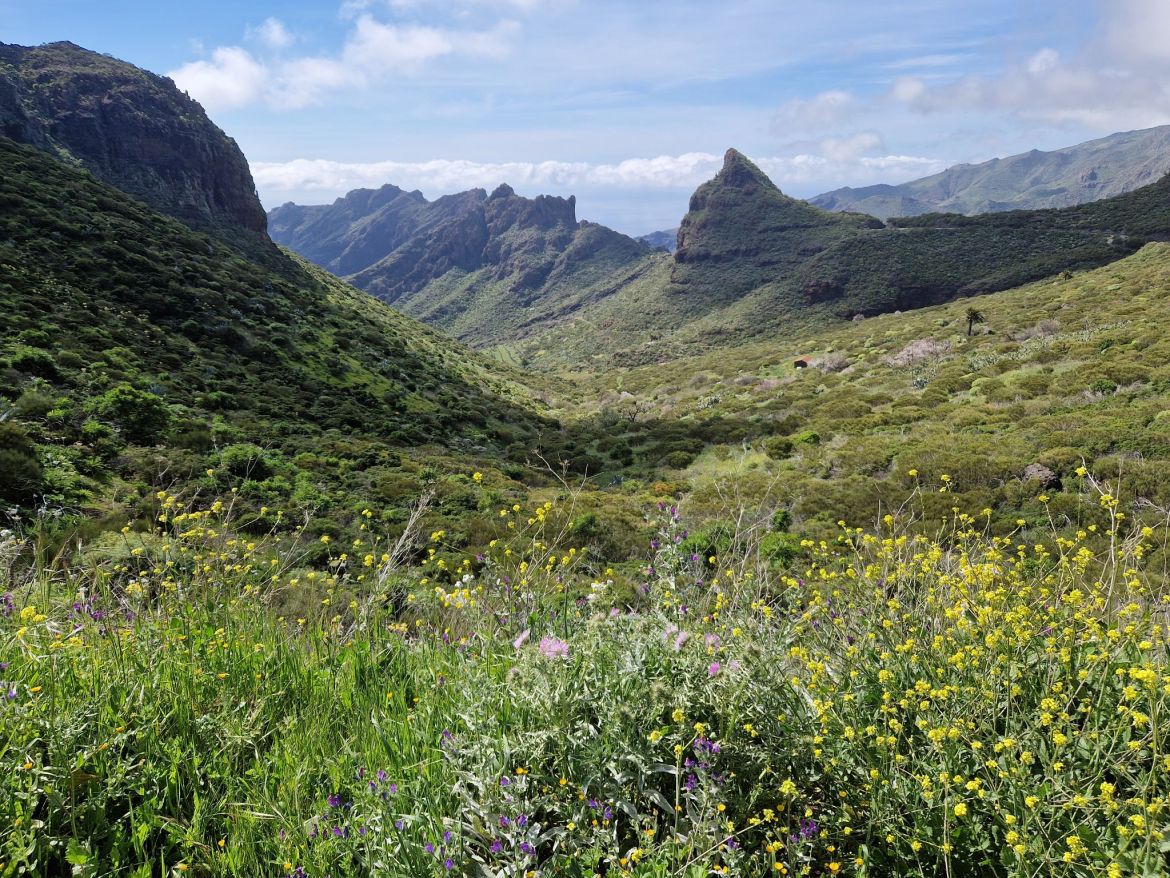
(334, 800)
(808, 828)
(448, 864)
(681, 640)
(521, 640)
(713, 669)
(527, 848)
(552, 648)
(497, 846)
(381, 775)
(504, 822)
(429, 848)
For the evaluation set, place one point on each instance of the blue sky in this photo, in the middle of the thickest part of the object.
(629, 105)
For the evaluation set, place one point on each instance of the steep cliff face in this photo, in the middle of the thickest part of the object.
(131, 129)
(510, 238)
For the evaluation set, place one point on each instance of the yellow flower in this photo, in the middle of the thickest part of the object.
(961, 809)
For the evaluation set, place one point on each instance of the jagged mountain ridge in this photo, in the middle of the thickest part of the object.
(480, 266)
(130, 128)
(1063, 177)
(750, 262)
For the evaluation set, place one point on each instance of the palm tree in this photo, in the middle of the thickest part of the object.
(974, 316)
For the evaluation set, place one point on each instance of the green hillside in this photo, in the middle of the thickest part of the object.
(1065, 372)
(136, 352)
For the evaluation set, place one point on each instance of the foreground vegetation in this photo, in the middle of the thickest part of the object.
(199, 698)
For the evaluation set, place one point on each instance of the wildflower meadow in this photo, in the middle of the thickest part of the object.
(216, 695)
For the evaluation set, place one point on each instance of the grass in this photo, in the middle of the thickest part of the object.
(201, 701)
(1066, 372)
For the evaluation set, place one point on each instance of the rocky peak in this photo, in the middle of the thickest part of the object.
(740, 172)
(129, 128)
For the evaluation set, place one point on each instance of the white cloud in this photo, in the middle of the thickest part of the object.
(231, 78)
(843, 149)
(1119, 79)
(814, 114)
(272, 33)
(1043, 61)
(373, 50)
(839, 163)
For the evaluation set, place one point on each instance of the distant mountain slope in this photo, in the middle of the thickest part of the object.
(129, 128)
(358, 230)
(485, 268)
(1060, 178)
(667, 239)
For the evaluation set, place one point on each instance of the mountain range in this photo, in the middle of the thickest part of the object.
(484, 267)
(1032, 180)
(749, 262)
(1064, 177)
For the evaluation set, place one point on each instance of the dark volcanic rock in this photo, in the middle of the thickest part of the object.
(129, 128)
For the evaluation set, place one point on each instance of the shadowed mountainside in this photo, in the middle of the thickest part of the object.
(130, 128)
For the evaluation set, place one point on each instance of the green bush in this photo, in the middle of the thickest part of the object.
(141, 416)
(20, 471)
(778, 447)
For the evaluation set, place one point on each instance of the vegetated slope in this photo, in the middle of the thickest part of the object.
(484, 268)
(129, 128)
(1064, 371)
(135, 350)
(1061, 178)
(753, 263)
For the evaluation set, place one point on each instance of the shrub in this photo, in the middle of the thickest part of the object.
(246, 460)
(141, 416)
(778, 447)
(35, 362)
(20, 471)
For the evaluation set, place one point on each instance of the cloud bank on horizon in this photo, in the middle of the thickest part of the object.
(557, 95)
